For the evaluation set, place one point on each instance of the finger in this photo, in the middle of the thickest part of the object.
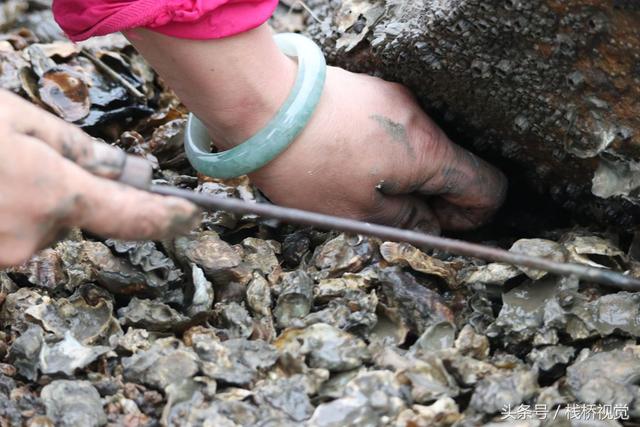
(457, 218)
(68, 140)
(405, 212)
(468, 181)
(468, 189)
(108, 208)
(15, 251)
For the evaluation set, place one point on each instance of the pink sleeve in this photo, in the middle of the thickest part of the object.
(191, 19)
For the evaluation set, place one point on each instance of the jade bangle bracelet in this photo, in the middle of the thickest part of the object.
(279, 133)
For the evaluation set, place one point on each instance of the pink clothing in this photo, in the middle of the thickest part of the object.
(191, 19)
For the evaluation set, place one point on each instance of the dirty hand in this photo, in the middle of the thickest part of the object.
(43, 191)
(369, 151)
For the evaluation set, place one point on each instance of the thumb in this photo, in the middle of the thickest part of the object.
(108, 208)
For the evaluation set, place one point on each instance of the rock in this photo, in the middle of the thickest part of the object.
(556, 75)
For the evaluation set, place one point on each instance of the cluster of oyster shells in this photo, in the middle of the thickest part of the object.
(246, 322)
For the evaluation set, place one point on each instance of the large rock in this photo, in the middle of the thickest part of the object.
(552, 86)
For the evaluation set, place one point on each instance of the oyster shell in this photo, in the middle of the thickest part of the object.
(469, 342)
(587, 249)
(73, 404)
(200, 412)
(233, 320)
(65, 92)
(89, 318)
(607, 378)
(203, 294)
(438, 336)
(287, 395)
(493, 274)
(442, 413)
(146, 256)
(15, 305)
(407, 302)
(43, 270)
(259, 296)
(86, 261)
(221, 262)
(68, 355)
(551, 359)
(329, 289)
(235, 361)
(152, 315)
(370, 399)
(295, 300)
(166, 362)
(494, 392)
(540, 248)
(343, 254)
(324, 346)
(404, 254)
(427, 378)
(25, 352)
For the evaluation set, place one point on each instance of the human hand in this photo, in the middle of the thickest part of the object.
(44, 191)
(371, 153)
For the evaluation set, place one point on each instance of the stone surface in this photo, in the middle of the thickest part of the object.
(551, 86)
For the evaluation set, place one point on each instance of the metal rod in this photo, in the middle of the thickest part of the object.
(458, 247)
(113, 74)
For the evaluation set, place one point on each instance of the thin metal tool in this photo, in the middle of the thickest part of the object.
(458, 247)
(112, 73)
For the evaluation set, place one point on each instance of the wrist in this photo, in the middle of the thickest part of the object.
(234, 85)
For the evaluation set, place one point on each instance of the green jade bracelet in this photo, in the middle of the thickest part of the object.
(279, 133)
